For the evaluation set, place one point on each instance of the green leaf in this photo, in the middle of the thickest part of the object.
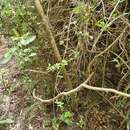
(66, 117)
(6, 121)
(68, 114)
(8, 56)
(5, 59)
(68, 121)
(27, 40)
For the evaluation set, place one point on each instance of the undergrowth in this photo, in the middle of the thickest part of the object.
(92, 37)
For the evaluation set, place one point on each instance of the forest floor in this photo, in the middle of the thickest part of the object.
(10, 107)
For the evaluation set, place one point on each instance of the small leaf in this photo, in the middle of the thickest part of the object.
(5, 59)
(66, 117)
(68, 121)
(8, 56)
(68, 114)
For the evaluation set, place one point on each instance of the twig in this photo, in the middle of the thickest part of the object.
(109, 23)
(123, 61)
(114, 9)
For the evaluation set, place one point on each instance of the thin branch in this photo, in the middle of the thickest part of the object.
(81, 86)
(123, 61)
(106, 50)
(36, 71)
(109, 23)
(106, 90)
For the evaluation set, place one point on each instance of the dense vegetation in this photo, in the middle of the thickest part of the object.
(64, 64)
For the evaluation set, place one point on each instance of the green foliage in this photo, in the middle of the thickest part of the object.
(26, 39)
(57, 66)
(5, 122)
(8, 56)
(121, 102)
(66, 117)
(60, 105)
(114, 15)
(80, 9)
(63, 63)
(25, 56)
(81, 122)
(102, 24)
(22, 53)
(21, 17)
(7, 11)
(82, 12)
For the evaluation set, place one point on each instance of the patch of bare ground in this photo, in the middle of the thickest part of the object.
(9, 108)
